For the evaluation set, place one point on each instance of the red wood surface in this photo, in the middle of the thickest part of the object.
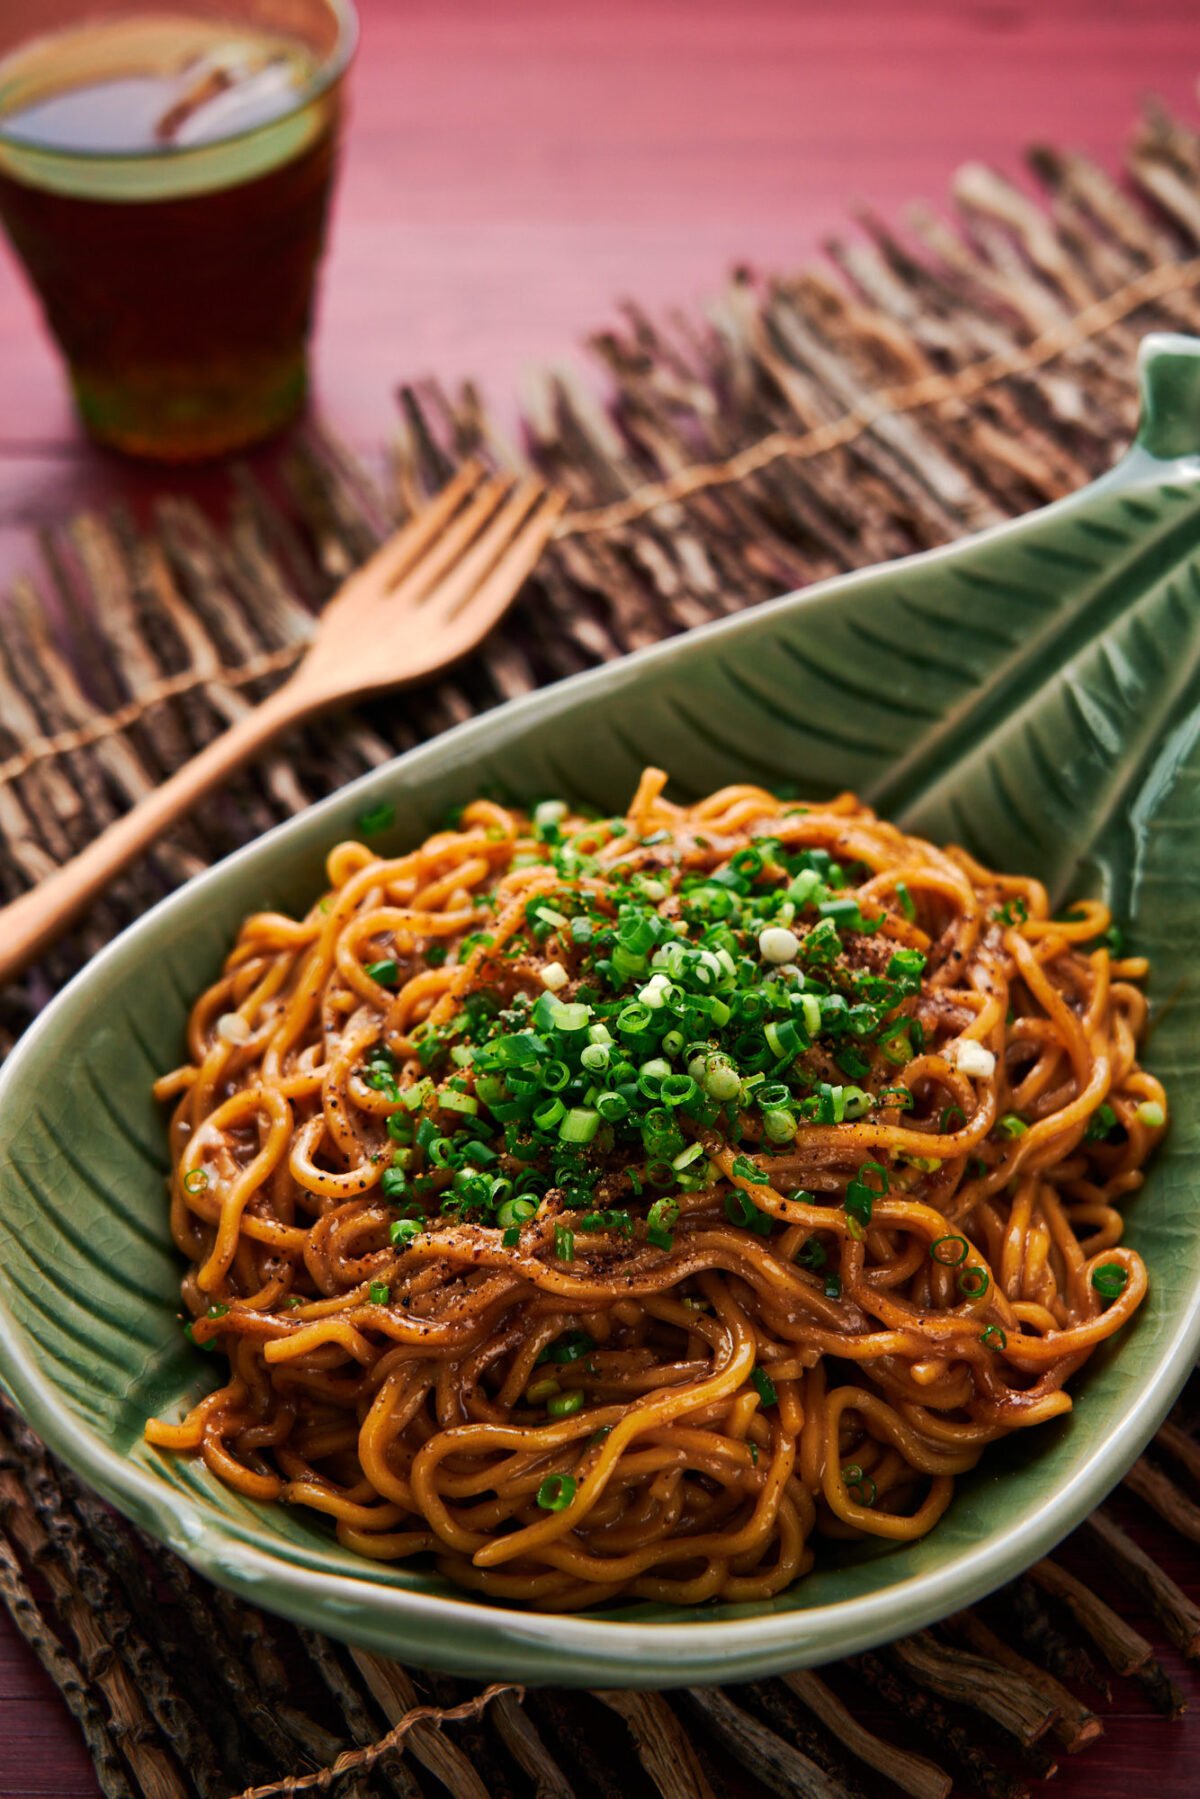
(512, 169)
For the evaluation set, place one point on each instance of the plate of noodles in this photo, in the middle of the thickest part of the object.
(687, 1175)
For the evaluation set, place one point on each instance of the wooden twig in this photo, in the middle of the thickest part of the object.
(393, 1692)
(911, 1773)
(67, 1677)
(511, 1724)
(199, 1605)
(1177, 1614)
(1184, 1449)
(355, 1760)
(1123, 1648)
(563, 1718)
(1073, 1724)
(1061, 1654)
(664, 1748)
(773, 1705)
(999, 1693)
(1159, 1491)
(766, 1756)
(928, 1715)
(129, 1724)
(327, 1661)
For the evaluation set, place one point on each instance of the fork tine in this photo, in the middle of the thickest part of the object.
(453, 543)
(497, 591)
(473, 568)
(402, 550)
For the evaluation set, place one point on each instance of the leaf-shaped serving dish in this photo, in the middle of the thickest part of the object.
(1030, 693)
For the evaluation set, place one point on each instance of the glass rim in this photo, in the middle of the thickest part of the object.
(329, 70)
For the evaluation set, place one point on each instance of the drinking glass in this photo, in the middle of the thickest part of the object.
(165, 175)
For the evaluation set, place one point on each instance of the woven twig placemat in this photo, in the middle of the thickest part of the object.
(906, 391)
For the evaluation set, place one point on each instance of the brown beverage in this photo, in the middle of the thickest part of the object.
(165, 179)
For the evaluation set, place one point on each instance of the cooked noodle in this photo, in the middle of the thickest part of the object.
(613, 1207)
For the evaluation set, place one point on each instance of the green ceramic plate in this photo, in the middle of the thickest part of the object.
(1031, 692)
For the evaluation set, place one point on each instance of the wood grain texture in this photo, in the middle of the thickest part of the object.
(510, 173)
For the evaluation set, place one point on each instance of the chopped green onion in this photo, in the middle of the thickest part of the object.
(571, 1347)
(414, 1097)
(994, 1338)
(861, 1195)
(907, 905)
(379, 1293)
(556, 1492)
(950, 1251)
(973, 1282)
(1012, 1125)
(860, 1486)
(564, 1243)
(195, 1181)
(377, 818)
(779, 1126)
(1110, 1280)
(516, 1212)
(1101, 1124)
(1151, 1114)
(404, 1231)
(660, 1223)
(619, 1221)
(580, 1125)
(746, 1170)
(562, 1405)
(721, 1080)
(452, 1101)
(906, 965)
(386, 973)
(740, 1209)
(833, 1286)
(764, 1386)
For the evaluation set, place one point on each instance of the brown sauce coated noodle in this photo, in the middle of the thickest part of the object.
(402, 1388)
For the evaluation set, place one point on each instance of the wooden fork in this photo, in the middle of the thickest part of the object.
(430, 593)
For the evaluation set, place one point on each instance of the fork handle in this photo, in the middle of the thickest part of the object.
(31, 923)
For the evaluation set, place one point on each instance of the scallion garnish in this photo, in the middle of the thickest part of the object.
(764, 1386)
(860, 1486)
(386, 972)
(660, 1223)
(556, 1492)
(950, 1251)
(377, 818)
(973, 1281)
(1110, 1280)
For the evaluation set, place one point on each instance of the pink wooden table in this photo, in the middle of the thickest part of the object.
(511, 171)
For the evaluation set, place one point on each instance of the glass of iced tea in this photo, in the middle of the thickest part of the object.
(165, 174)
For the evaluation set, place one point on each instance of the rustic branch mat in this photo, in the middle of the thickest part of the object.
(902, 393)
